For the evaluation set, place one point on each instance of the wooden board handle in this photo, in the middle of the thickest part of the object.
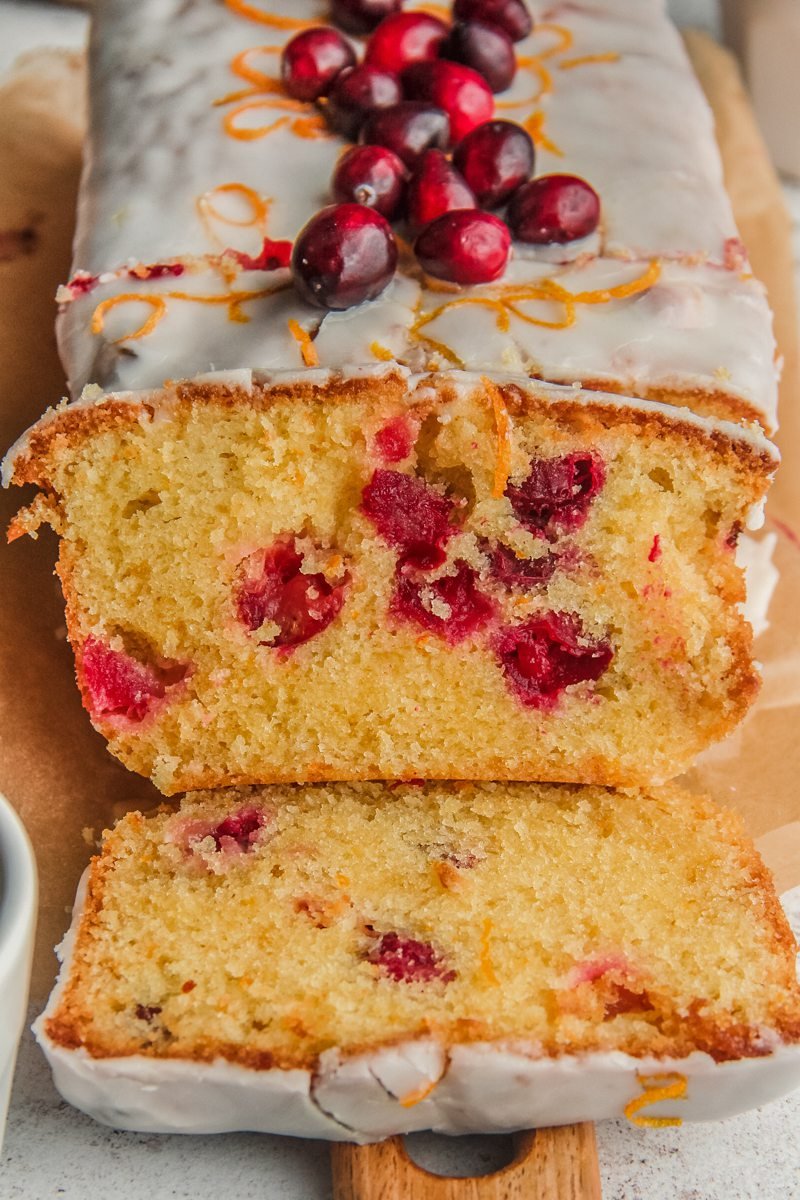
(549, 1164)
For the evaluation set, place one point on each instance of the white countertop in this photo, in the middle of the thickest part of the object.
(53, 1150)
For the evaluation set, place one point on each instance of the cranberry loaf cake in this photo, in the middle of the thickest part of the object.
(354, 961)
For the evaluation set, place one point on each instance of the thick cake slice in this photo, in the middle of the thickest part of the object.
(322, 577)
(355, 961)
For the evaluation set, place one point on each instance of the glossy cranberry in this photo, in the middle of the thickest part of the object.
(373, 176)
(271, 589)
(464, 247)
(405, 38)
(554, 208)
(395, 440)
(557, 492)
(487, 49)
(116, 684)
(409, 129)
(548, 653)
(407, 960)
(519, 574)
(407, 512)
(512, 16)
(436, 187)
(451, 607)
(356, 92)
(344, 255)
(311, 61)
(361, 16)
(495, 159)
(463, 94)
(239, 830)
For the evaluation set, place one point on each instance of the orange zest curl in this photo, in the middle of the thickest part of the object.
(672, 1086)
(259, 208)
(157, 303)
(307, 348)
(535, 127)
(253, 13)
(585, 60)
(418, 1094)
(502, 421)
(240, 65)
(382, 353)
(622, 291)
(532, 63)
(562, 35)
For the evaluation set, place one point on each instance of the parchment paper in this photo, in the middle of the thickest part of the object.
(53, 766)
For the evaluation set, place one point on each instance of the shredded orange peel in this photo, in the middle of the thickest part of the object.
(535, 127)
(671, 1086)
(502, 421)
(382, 353)
(158, 303)
(303, 338)
(418, 1094)
(253, 13)
(585, 60)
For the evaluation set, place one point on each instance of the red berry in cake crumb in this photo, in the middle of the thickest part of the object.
(554, 208)
(405, 38)
(372, 176)
(240, 830)
(361, 16)
(344, 255)
(436, 187)
(464, 247)
(511, 15)
(311, 61)
(409, 129)
(116, 684)
(406, 960)
(395, 440)
(519, 574)
(451, 607)
(485, 48)
(461, 92)
(146, 1012)
(548, 653)
(495, 159)
(557, 492)
(272, 593)
(356, 92)
(408, 513)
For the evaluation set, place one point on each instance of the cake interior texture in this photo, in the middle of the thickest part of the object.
(267, 925)
(549, 584)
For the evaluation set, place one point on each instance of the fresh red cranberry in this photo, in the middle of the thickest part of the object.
(395, 440)
(511, 15)
(344, 255)
(557, 492)
(451, 607)
(461, 92)
(408, 513)
(554, 208)
(495, 159)
(117, 685)
(487, 49)
(405, 38)
(436, 187)
(548, 653)
(409, 129)
(373, 176)
(357, 91)
(240, 830)
(271, 588)
(465, 247)
(519, 574)
(311, 61)
(406, 960)
(361, 16)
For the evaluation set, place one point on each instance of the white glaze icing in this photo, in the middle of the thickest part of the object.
(482, 1087)
(157, 144)
(755, 557)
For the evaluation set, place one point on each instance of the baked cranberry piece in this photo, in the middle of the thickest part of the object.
(461, 92)
(548, 653)
(406, 960)
(495, 159)
(273, 256)
(554, 208)
(395, 440)
(372, 176)
(271, 589)
(557, 493)
(485, 48)
(356, 92)
(451, 607)
(409, 129)
(116, 684)
(147, 1012)
(239, 830)
(361, 16)
(344, 255)
(311, 61)
(408, 513)
(519, 574)
(436, 187)
(511, 15)
(405, 38)
(464, 247)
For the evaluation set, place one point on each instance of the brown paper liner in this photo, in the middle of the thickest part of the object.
(53, 766)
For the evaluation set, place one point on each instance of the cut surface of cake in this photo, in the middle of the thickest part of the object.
(380, 577)
(353, 961)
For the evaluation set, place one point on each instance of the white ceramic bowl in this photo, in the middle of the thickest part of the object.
(18, 896)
